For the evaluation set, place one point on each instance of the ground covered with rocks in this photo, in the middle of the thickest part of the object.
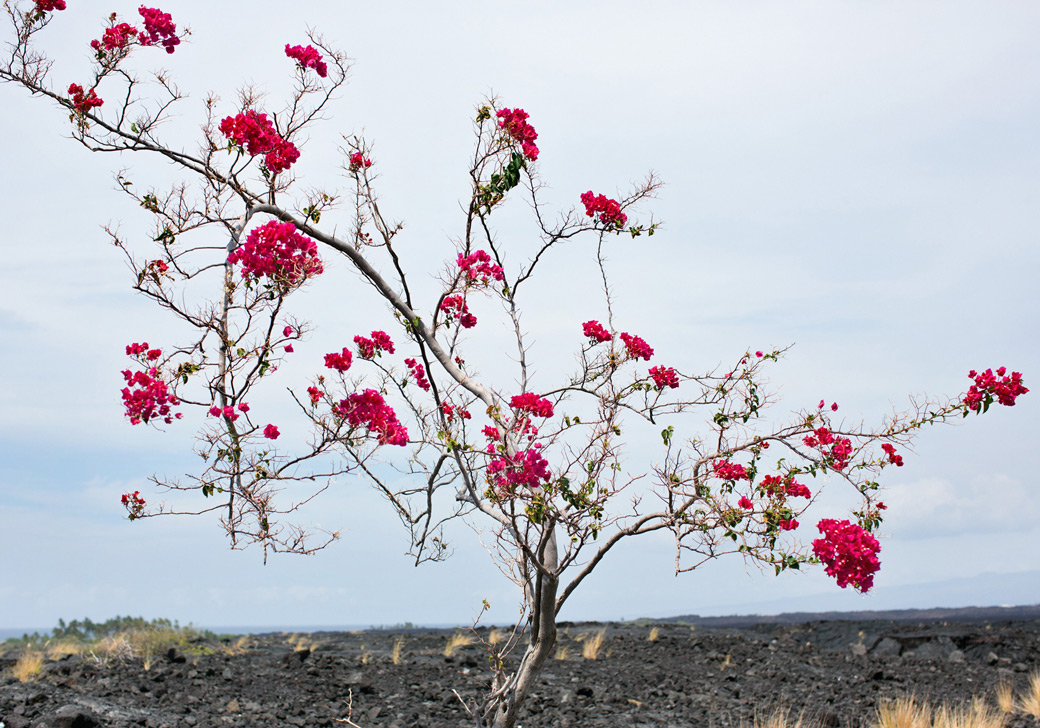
(666, 674)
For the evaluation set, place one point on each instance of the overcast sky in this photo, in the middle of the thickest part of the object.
(859, 179)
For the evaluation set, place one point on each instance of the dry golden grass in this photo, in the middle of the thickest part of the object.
(561, 652)
(1029, 701)
(366, 656)
(457, 640)
(61, 648)
(655, 634)
(779, 718)
(1005, 698)
(592, 644)
(28, 666)
(397, 650)
(497, 636)
(907, 712)
(727, 662)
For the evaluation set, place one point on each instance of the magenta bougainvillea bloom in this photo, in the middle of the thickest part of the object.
(514, 121)
(379, 342)
(307, 57)
(271, 432)
(745, 503)
(636, 347)
(158, 28)
(729, 470)
(47, 6)
(893, 458)
(340, 362)
(526, 468)
(1006, 388)
(454, 307)
(368, 409)
(840, 447)
(359, 161)
(147, 396)
(849, 552)
(531, 402)
(115, 37)
(664, 377)
(419, 372)
(479, 268)
(82, 101)
(255, 133)
(594, 331)
(604, 210)
(277, 252)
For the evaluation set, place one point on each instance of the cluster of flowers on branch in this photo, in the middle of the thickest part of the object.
(527, 468)
(370, 348)
(419, 373)
(48, 6)
(1004, 387)
(158, 28)
(255, 133)
(454, 307)
(595, 332)
(277, 252)
(147, 396)
(83, 101)
(479, 268)
(359, 161)
(636, 347)
(840, 447)
(340, 362)
(115, 38)
(307, 57)
(849, 553)
(605, 211)
(134, 504)
(370, 410)
(664, 377)
(514, 121)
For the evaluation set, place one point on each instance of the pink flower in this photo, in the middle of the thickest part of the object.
(787, 524)
(83, 102)
(455, 307)
(890, 450)
(727, 470)
(368, 409)
(307, 57)
(44, 6)
(243, 406)
(605, 211)
(531, 402)
(158, 28)
(133, 502)
(277, 252)
(148, 396)
(595, 332)
(758, 354)
(340, 362)
(478, 267)
(271, 432)
(821, 405)
(527, 468)
(369, 348)
(745, 503)
(834, 407)
(419, 372)
(214, 411)
(115, 37)
(849, 552)
(1005, 388)
(514, 121)
(359, 161)
(664, 377)
(289, 349)
(255, 133)
(636, 347)
(287, 331)
(315, 394)
(796, 490)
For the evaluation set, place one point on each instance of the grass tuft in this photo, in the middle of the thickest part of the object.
(592, 644)
(457, 640)
(655, 634)
(779, 718)
(397, 651)
(28, 666)
(1029, 702)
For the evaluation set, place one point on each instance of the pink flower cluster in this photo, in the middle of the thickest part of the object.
(595, 332)
(840, 447)
(606, 211)
(45, 6)
(1006, 387)
(775, 485)
(419, 372)
(727, 470)
(340, 362)
(115, 37)
(82, 101)
(890, 450)
(227, 412)
(359, 161)
(636, 347)
(255, 132)
(514, 121)
(526, 468)
(315, 395)
(158, 28)
(147, 395)
(369, 348)
(455, 307)
(277, 251)
(271, 432)
(478, 267)
(664, 377)
(370, 410)
(133, 502)
(532, 403)
(451, 410)
(307, 57)
(849, 552)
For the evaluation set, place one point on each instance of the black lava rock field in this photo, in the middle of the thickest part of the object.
(664, 674)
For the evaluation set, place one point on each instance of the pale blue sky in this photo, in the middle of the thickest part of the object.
(859, 179)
